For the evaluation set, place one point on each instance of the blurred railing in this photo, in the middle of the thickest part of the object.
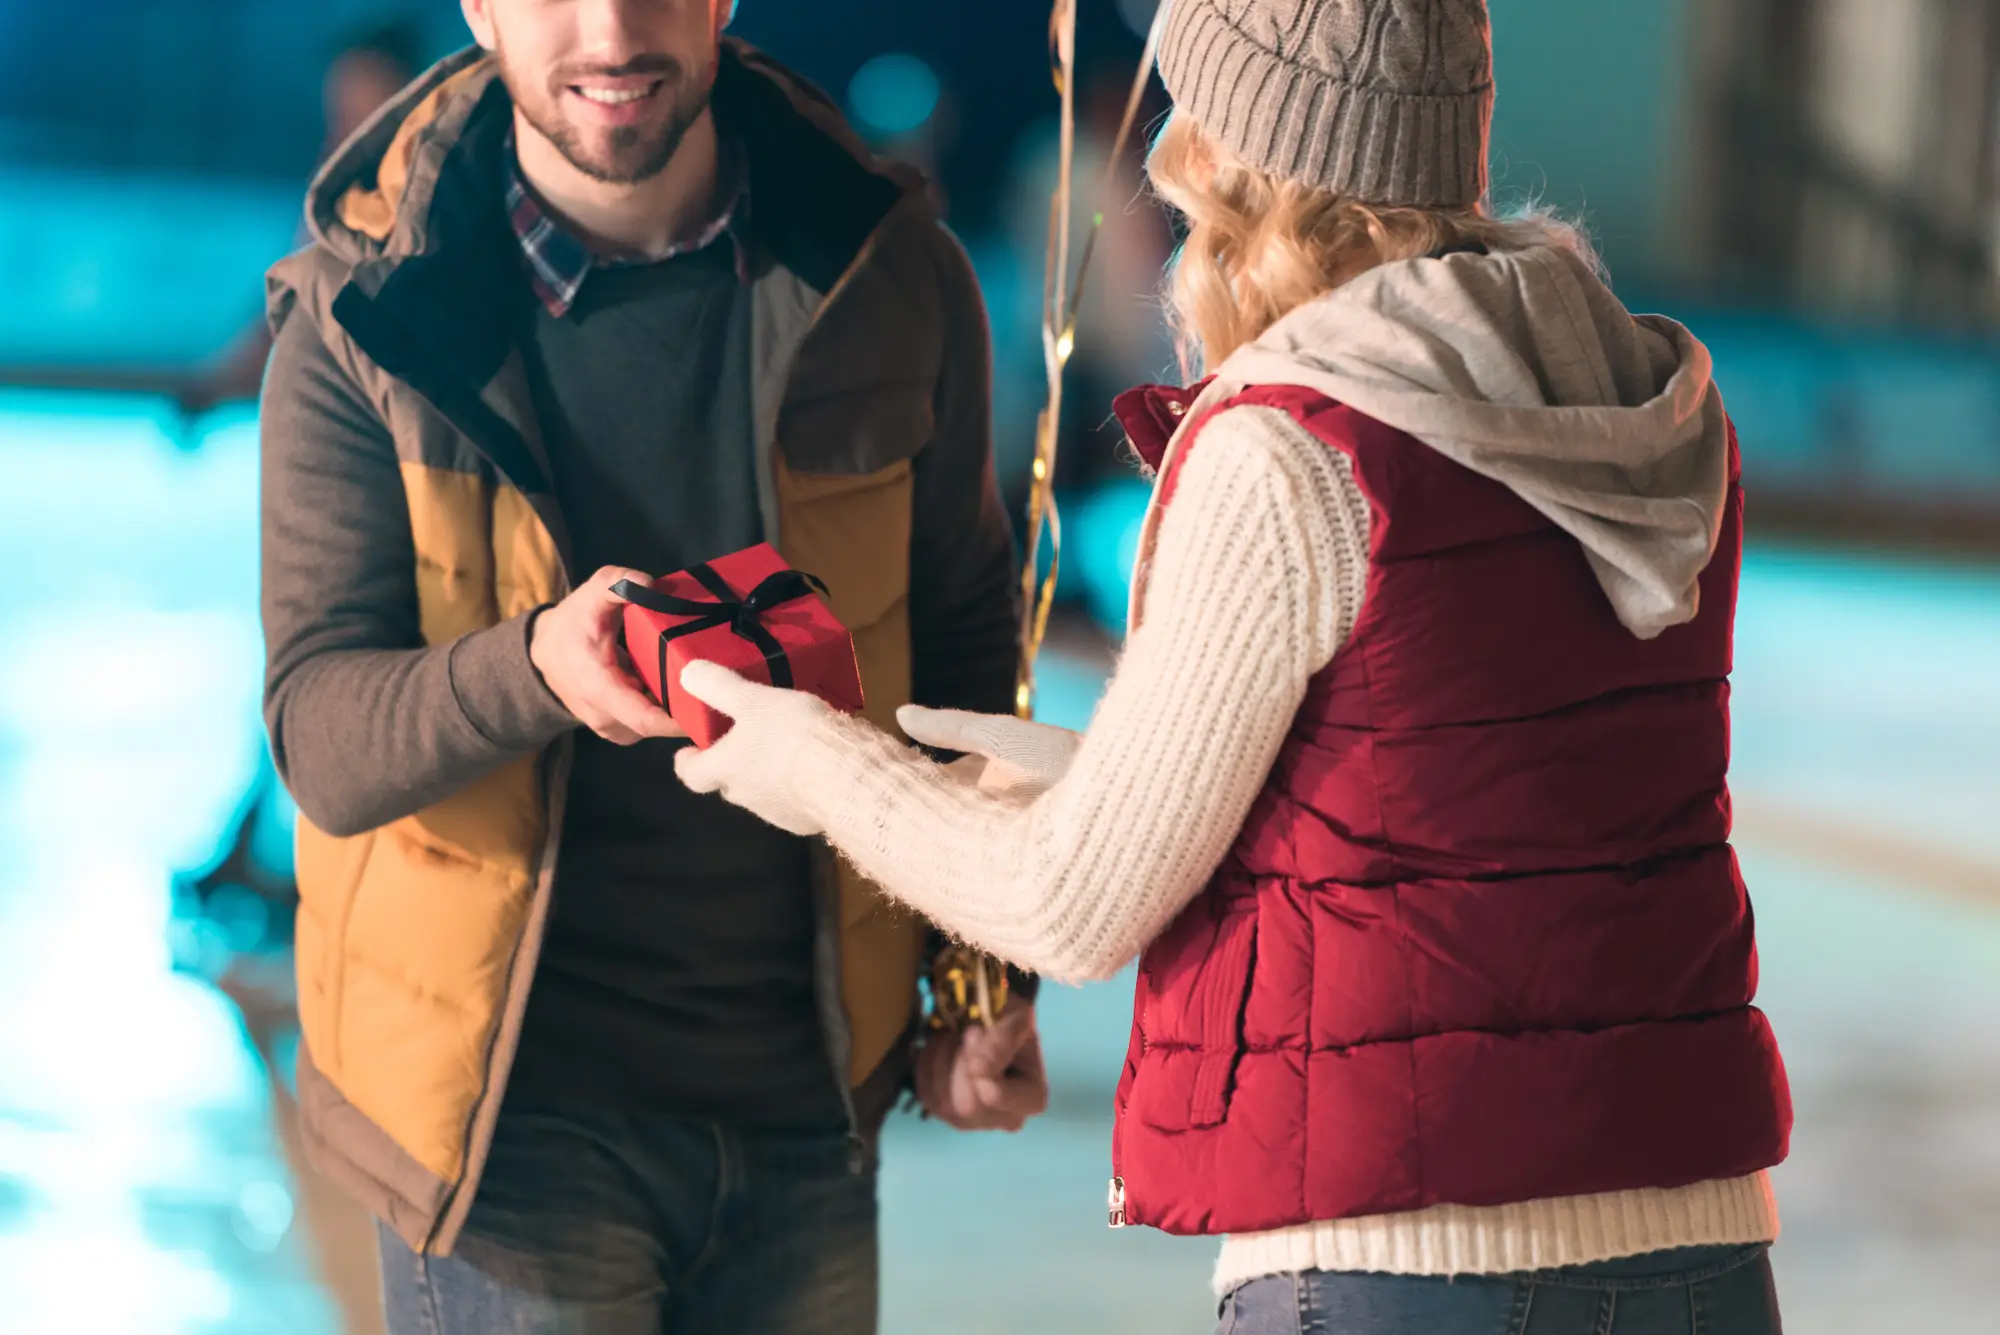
(137, 273)
(1865, 436)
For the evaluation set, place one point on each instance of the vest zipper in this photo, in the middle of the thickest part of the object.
(1116, 1198)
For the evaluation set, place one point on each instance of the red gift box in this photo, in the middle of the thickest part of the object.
(751, 613)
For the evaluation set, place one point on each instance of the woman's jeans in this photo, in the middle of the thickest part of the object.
(1688, 1291)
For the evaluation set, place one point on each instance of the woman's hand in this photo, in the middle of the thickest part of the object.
(1021, 759)
(755, 763)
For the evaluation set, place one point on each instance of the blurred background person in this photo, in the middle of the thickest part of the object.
(366, 72)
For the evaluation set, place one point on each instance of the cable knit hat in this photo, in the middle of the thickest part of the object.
(1388, 101)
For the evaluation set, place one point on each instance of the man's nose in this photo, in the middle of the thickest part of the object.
(611, 32)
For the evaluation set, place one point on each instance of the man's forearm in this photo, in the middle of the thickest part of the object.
(367, 723)
(367, 736)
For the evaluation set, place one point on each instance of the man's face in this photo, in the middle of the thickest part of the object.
(612, 84)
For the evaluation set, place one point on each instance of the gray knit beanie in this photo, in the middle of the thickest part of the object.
(1388, 101)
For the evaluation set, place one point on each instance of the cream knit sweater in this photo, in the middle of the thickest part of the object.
(1256, 578)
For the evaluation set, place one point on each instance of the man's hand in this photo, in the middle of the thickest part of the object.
(985, 1079)
(579, 648)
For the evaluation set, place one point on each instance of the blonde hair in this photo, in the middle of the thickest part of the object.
(1259, 246)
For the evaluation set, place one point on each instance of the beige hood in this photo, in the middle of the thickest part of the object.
(1523, 367)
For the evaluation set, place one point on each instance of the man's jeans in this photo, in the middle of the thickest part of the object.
(596, 1223)
(1692, 1291)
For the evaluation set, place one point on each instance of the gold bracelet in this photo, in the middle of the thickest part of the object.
(967, 988)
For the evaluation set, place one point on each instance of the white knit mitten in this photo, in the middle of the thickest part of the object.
(755, 765)
(1009, 757)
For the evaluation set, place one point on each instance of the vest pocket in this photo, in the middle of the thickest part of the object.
(1192, 990)
(854, 533)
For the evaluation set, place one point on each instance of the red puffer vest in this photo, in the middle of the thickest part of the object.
(1482, 938)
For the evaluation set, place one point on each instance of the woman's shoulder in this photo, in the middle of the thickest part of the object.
(1285, 422)
(1282, 445)
(1254, 480)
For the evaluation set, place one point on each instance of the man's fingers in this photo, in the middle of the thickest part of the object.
(623, 702)
(982, 1068)
(1006, 1074)
(639, 709)
(1000, 1105)
(981, 1057)
(984, 1079)
(618, 709)
(1014, 1030)
(991, 1050)
(592, 714)
(607, 576)
(1005, 1070)
(615, 733)
(1022, 1097)
(609, 587)
(638, 712)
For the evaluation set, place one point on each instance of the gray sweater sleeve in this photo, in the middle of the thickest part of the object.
(963, 627)
(367, 723)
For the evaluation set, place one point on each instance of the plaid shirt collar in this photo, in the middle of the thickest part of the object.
(558, 261)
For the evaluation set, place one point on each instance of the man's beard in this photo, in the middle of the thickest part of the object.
(626, 154)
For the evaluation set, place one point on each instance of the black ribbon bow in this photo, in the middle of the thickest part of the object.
(744, 616)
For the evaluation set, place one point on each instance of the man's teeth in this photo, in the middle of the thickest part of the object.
(614, 97)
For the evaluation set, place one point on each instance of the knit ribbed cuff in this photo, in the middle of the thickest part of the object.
(1417, 150)
(1545, 1234)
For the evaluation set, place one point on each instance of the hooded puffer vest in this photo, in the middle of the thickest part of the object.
(1482, 938)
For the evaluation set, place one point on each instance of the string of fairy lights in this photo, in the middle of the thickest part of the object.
(966, 986)
(1062, 296)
